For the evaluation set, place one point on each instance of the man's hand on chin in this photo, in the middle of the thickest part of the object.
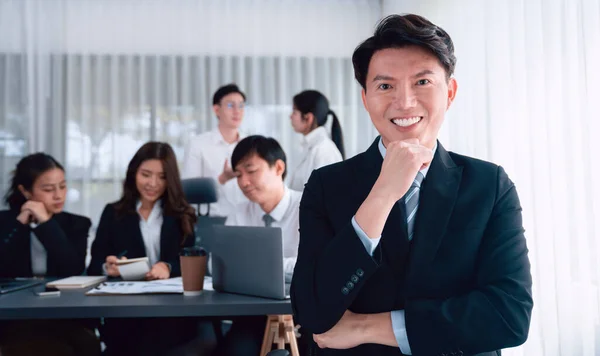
(349, 332)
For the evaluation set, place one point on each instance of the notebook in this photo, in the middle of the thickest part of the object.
(134, 269)
(76, 282)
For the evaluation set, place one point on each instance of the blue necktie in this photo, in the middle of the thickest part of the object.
(268, 219)
(411, 201)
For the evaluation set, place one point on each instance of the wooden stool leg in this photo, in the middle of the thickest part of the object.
(280, 332)
(267, 338)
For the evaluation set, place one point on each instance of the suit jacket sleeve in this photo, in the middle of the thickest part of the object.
(496, 313)
(102, 245)
(327, 261)
(66, 252)
(11, 233)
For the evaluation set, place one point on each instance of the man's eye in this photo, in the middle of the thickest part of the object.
(384, 86)
(423, 81)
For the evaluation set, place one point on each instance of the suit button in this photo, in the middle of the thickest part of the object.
(354, 278)
(350, 285)
(360, 272)
(345, 291)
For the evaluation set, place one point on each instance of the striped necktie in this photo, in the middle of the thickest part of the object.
(411, 201)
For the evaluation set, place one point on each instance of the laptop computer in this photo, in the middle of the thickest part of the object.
(248, 260)
(8, 285)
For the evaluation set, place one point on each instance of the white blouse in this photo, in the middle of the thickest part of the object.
(318, 151)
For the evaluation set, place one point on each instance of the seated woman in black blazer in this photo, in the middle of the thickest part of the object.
(152, 219)
(37, 238)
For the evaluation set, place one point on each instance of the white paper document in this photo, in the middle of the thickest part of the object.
(164, 286)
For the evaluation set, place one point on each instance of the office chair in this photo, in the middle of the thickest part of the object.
(200, 191)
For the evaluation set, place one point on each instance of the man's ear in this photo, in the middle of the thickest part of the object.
(363, 95)
(23, 191)
(279, 167)
(452, 88)
(216, 109)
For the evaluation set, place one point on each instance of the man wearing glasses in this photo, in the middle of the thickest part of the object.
(208, 154)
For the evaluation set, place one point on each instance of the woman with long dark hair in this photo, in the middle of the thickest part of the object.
(152, 219)
(37, 238)
(310, 113)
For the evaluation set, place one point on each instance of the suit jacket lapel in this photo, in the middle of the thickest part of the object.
(436, 202)
(169, 227)
(132, 226)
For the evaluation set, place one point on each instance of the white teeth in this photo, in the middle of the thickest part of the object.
(407, 122)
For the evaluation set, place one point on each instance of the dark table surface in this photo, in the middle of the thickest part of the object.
(72, 304)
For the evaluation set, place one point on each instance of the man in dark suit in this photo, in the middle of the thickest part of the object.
(408, 248)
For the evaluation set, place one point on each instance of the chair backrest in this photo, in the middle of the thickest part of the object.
(200, 190)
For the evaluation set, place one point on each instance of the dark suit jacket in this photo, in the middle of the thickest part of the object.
(116, 234)
(64, 236)
(464, 280)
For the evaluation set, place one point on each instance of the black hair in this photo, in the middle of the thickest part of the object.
(226, 90)
(397, 31)
(28, 170)
(266, 148)
(312, 101)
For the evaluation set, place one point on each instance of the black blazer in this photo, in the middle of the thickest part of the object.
(116, 234)
(64, 236)
(463, 281)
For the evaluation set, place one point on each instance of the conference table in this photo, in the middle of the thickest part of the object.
(72, 304)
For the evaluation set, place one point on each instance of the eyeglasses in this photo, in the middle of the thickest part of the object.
(231, 106)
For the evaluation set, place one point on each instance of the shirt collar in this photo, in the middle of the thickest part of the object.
(423, 171)
(217, 138)
(315, 136)
(281, 207)
(154, 214)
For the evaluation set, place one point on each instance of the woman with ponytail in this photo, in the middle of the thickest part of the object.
(311, 110)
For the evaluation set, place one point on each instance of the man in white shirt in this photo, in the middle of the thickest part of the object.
(208, 154)
(260, 165)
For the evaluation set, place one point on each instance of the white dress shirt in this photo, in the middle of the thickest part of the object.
(398, 318)
(285, 215)
(151, 230)
(39, 256)
(204, 156)
(318, 151)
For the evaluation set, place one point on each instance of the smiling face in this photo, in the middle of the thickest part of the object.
(150, 180)
(407, 94)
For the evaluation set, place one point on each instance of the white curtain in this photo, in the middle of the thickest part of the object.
(91, 81)
(528, 74)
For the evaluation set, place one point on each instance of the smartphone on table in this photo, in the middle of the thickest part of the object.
(48, 292)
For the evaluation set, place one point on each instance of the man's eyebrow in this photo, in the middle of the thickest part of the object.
(423, 72)
(379, 77)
